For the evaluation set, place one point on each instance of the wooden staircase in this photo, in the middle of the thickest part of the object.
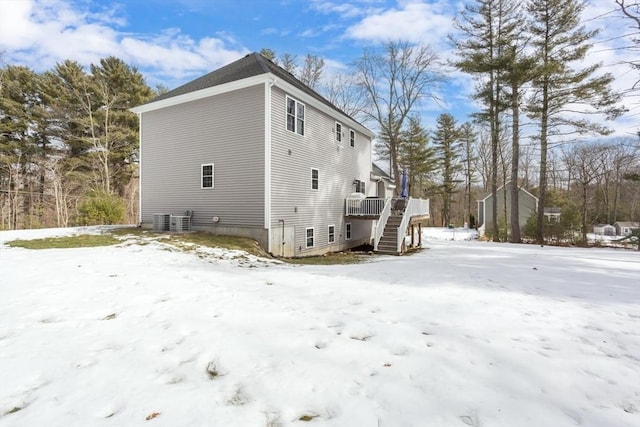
(389, 242)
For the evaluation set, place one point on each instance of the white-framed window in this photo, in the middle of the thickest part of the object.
(352, 138)
(347, 231)
(338, 132)
(315, 178)
(295, 116)
(332, 233)
(360, 188)
(206, 175)
(309, 237)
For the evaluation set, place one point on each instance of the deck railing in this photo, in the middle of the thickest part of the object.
(415, 207)
(364, 206)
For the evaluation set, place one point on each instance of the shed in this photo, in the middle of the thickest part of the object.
(604, 230)
(625, 228)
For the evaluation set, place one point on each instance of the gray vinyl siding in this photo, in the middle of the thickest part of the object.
(292, 158)
(226, 130)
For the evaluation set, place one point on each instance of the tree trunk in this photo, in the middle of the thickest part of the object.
(515, 163)
(542, 184)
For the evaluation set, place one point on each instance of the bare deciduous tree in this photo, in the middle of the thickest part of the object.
(395, 80)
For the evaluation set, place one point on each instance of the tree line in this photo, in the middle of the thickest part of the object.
(69, 144)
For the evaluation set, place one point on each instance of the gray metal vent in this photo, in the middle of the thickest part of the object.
(180, 223)
(161, 222)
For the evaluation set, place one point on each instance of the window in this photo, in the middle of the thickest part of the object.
(314, 179)
(207, 176)
(332, 233)
(295, 116)
(359, 186)
(338, 132)
(352, 138)
(309, 234)
(347, 231)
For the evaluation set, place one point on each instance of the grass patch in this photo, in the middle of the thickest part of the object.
(182, 241)
(79, 241)
(328, 259)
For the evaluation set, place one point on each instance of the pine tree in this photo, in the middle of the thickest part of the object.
(270, 54)
(468, 141)
(446, 141)
(415, 155)
(560, 41)
(488, 28)
(119, 88)
(25, 140)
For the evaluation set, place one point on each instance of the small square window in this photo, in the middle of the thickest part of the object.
(352, 138)
(309, 235)
(347, 231)
(332, 233)
(206, 180)
(315, 174)
(338, 132)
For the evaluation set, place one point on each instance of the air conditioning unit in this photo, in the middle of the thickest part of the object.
(161, 222)
(180, 223)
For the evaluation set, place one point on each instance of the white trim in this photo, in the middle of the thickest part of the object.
(348, 224)
(139, 168)
(337, 136)
(329, 233)
(213, 174)
(295, 116)
(252, 81)
(318, 179)
(204, 93)
(352, 132)
(306, 242)
(267, 161)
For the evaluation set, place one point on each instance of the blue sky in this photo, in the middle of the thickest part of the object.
(174, 41)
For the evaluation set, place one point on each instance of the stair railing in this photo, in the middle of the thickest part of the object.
(382, 222)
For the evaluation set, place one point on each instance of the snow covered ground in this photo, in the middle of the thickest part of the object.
(463, 333)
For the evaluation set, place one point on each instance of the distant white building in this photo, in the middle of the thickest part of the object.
(626, 228)
(604, 230)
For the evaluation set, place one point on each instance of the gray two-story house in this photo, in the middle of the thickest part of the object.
(249, 150)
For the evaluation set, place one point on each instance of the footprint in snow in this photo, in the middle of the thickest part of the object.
(470, 420)
(109, 410)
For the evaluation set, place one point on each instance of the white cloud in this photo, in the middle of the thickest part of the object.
(39, 33)
(342, 9)
(413, 21)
